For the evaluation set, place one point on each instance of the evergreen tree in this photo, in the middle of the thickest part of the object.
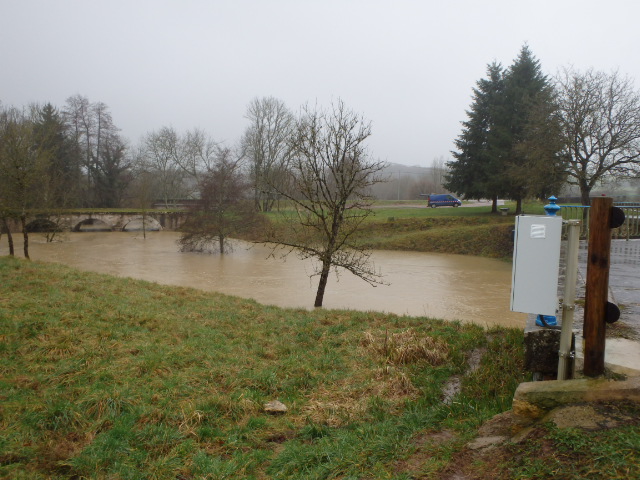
(474, 171)
(64, 167)
(510, 144)
(527, 145)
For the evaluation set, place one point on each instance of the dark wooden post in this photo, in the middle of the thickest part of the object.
(597, 288)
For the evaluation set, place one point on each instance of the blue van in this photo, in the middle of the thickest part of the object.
(443, 200)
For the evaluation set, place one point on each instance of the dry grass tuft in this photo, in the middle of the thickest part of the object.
(346, 401)
(407, 347)
(190, 421)
(393, 383)
(336, 407)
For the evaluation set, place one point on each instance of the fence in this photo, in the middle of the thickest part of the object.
(629, 229)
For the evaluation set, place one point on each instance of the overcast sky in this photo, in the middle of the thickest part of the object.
(408, 66)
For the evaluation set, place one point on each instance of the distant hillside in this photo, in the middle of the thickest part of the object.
(405, 182)
(414, 169)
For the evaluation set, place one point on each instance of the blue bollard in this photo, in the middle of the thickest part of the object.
(552, 208)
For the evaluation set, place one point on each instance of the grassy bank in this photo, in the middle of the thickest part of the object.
(116, 378)
(104, 377)
(486, 236)
(466, 231)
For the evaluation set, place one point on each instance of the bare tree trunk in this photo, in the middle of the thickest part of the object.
(322, 284)
(584, 196)
(518, 206)
(221, 244)
(494, 204)
(23, 222)
(5, 224)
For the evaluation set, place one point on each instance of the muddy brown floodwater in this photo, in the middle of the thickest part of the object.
(452, 287)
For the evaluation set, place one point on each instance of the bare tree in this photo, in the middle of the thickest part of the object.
(96, 142)
(163, 155)
(200, 154)
(81, 126)
(328, 184)
(141, 187)
(225, 208)
(266, 144)
(24, 165)
(599, 115)
(6, 211)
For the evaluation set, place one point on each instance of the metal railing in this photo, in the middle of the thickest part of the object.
(629, 229)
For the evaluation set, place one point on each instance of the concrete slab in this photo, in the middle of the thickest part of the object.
(621, 355)
(535, 399)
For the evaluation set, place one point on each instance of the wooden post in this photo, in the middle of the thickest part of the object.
(597, 288)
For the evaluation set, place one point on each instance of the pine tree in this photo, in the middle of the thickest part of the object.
(528, 143)
(473, 173)
(509, 146)
(64, 167)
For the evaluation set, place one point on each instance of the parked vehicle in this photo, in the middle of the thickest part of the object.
(443, 200)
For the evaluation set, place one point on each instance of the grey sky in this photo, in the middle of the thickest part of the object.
(406, 65)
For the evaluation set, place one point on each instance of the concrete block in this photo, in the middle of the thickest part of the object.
(541, 350)
(534, 399)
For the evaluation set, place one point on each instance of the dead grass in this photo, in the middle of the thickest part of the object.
(347, 401)
(407, 347)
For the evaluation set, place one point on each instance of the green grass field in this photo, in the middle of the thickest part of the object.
(116, 378)
(110, 378)
(467, 230)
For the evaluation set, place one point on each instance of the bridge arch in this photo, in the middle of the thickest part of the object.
(92, 225)
(140, 222)
(42, 225)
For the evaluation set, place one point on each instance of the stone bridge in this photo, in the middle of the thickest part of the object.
(84, 221)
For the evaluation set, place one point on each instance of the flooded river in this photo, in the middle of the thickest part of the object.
(453, 287)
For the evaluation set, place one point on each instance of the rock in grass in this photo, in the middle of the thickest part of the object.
(275, 407)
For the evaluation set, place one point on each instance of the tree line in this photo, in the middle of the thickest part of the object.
(317, 162)
(526, 135)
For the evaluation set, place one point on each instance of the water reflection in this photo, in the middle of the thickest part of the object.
(452, 287)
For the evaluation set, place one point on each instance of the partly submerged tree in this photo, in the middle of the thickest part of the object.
(599, 115)
(328, 185)
(225, 208)
(6, 211)
(24, 165)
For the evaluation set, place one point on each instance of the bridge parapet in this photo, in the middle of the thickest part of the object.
(104, 221)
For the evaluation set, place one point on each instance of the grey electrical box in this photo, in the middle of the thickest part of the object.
(536, 261)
